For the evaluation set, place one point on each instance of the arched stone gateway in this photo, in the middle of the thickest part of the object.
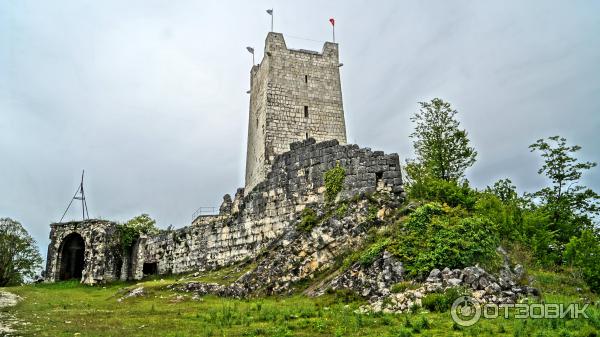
(72, 257)
(83, 250)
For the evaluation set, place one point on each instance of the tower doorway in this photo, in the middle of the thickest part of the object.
(72, 257)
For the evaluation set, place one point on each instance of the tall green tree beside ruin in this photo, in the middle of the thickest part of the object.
(19, 256)
(442, 148)
(571, 207)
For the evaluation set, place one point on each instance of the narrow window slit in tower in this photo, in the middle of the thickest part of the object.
(305, 78)
(379, 180)
(306, 111)
(307, 135)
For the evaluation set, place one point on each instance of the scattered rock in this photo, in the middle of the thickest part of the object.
(484, 287)
(137, 292)
(454, 282)
(374, 280)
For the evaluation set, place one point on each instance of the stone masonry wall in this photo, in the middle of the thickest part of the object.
(295, 95)
(255, 220)
(247, 224)
(100, 262)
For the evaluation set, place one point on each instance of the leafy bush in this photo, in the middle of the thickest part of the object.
(450, 192)
(437, 236)
(583, 253)
(540, 238)
(507, 215)
(342, 210)
(308, 220)
(130, 231)
(373, 252)
(334, 182)
(434, 302)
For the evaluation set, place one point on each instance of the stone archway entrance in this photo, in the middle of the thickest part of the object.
(72, 257)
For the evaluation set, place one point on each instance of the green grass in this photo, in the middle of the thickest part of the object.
(560, 283)
(67, 308)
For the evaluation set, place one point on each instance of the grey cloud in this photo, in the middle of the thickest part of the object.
(150, 96)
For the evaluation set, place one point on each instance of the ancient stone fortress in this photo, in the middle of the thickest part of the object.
(294, 95)
(296, 132)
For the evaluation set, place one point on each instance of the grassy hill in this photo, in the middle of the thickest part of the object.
(71, 309)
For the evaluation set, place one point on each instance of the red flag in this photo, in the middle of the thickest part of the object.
(332, 21)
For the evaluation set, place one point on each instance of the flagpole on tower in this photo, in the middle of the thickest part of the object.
(332, 20)
(270, 12)
(251, 51)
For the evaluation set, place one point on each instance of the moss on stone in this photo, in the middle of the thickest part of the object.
(334, 182)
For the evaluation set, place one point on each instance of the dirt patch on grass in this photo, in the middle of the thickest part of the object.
(8, 321)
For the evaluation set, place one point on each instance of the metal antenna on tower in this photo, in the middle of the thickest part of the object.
(79, 195)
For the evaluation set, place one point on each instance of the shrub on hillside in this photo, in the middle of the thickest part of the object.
(308, 219)
(441, 302)
(541, 239)
(583, 254)
(334, 182)
(451, 192)
(437, 236)
(373, 252)
(506, 215)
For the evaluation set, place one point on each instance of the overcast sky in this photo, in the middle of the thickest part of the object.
(149, 97)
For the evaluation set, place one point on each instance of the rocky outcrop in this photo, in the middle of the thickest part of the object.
(373, 281)
(475, 281)
(136, 292)
(299, 255)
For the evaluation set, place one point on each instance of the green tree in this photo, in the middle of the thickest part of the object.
(132, 229)
(503, 205)
(19, 256)
(441, 146)
(571, 207)
(504, 190)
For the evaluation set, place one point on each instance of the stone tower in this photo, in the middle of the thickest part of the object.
(294, 95)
